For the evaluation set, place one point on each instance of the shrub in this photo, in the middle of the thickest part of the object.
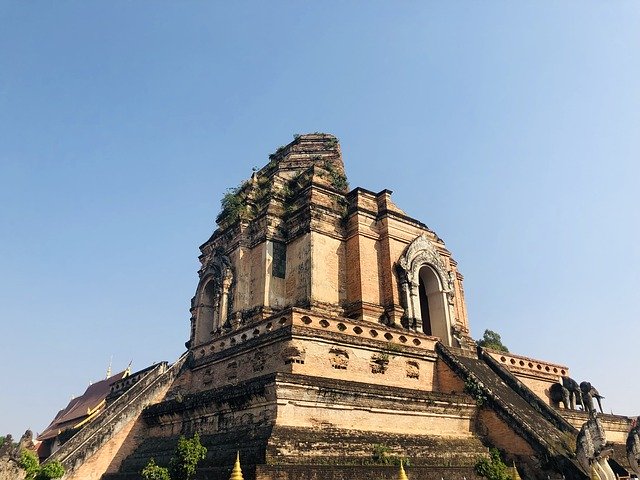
(29, 463)
(189, 453)
(155, 472)
(492, 468)
(50, 470)
(34, 471)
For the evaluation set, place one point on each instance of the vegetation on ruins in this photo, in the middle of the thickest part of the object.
(473, 388)
(337, 179)
(492, 340)
(233, 205)
(382, 456)
(34, 471)
(189, 452)
(155, 472)
(492, 468)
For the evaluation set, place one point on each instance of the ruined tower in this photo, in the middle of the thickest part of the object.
(328, 338)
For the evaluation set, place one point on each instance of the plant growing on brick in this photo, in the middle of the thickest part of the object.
(492, 468)
(474, 389)
(382, 456)
(189, 453)
(50, 470)
(155, 472)
(29, 463)
(34, 471)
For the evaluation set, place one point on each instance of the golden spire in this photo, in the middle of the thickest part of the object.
(236, 473)
(514, 472)
(109, 367)
(402, 475)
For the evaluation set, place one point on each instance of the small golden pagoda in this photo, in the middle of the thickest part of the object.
(236, 473)
(402, 475)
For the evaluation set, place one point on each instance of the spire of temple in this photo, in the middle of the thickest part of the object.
(109, 368)
(236, 473)
(402, 475)
(514, 472)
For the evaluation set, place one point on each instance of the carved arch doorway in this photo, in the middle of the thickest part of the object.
(426, 289)
(432, 304)
(207, 309)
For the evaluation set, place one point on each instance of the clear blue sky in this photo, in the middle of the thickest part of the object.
(510, 128)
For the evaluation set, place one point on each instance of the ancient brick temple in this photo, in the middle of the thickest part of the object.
(329, 334)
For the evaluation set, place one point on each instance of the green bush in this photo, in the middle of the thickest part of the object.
(189, 453)
(50, 470)
(29, 463)
(492, 468)
(34, 471)
(155, 472)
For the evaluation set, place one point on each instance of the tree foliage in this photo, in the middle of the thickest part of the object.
(189, 453)
(34, 471)
(155, 472)
(492, 340)
(492, 468)
(29, 463)
(50, 470)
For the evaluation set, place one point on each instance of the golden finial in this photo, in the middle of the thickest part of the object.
(109, 367)
(514, 472)
(236, 473)
(402, 475)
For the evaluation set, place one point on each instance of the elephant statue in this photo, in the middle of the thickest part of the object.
(559, 394)
(574, 391)
(589, 392)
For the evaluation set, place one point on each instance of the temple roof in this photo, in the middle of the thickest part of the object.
(81, 408)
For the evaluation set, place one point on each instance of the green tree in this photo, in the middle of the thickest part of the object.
(34, 471)
(492, 340)
(155, 472)
(189, 453)
(29, 463)
(492, 468)
(50, 470)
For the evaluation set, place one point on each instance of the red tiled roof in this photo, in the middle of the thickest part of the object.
(78, 408)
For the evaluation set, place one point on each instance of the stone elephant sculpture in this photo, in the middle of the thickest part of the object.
(588, 393)
(559, 394)
(575, 395)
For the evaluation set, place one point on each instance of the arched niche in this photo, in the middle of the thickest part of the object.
(213, 299)
(426, 287)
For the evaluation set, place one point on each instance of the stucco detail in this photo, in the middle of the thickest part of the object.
(422, 252)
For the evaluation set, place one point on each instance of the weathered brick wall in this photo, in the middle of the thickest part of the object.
(501, 435)
(447, 381)
(329, 472)
(296, 341)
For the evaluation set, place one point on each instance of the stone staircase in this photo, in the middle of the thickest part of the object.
(115, 416)
(546, 432)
